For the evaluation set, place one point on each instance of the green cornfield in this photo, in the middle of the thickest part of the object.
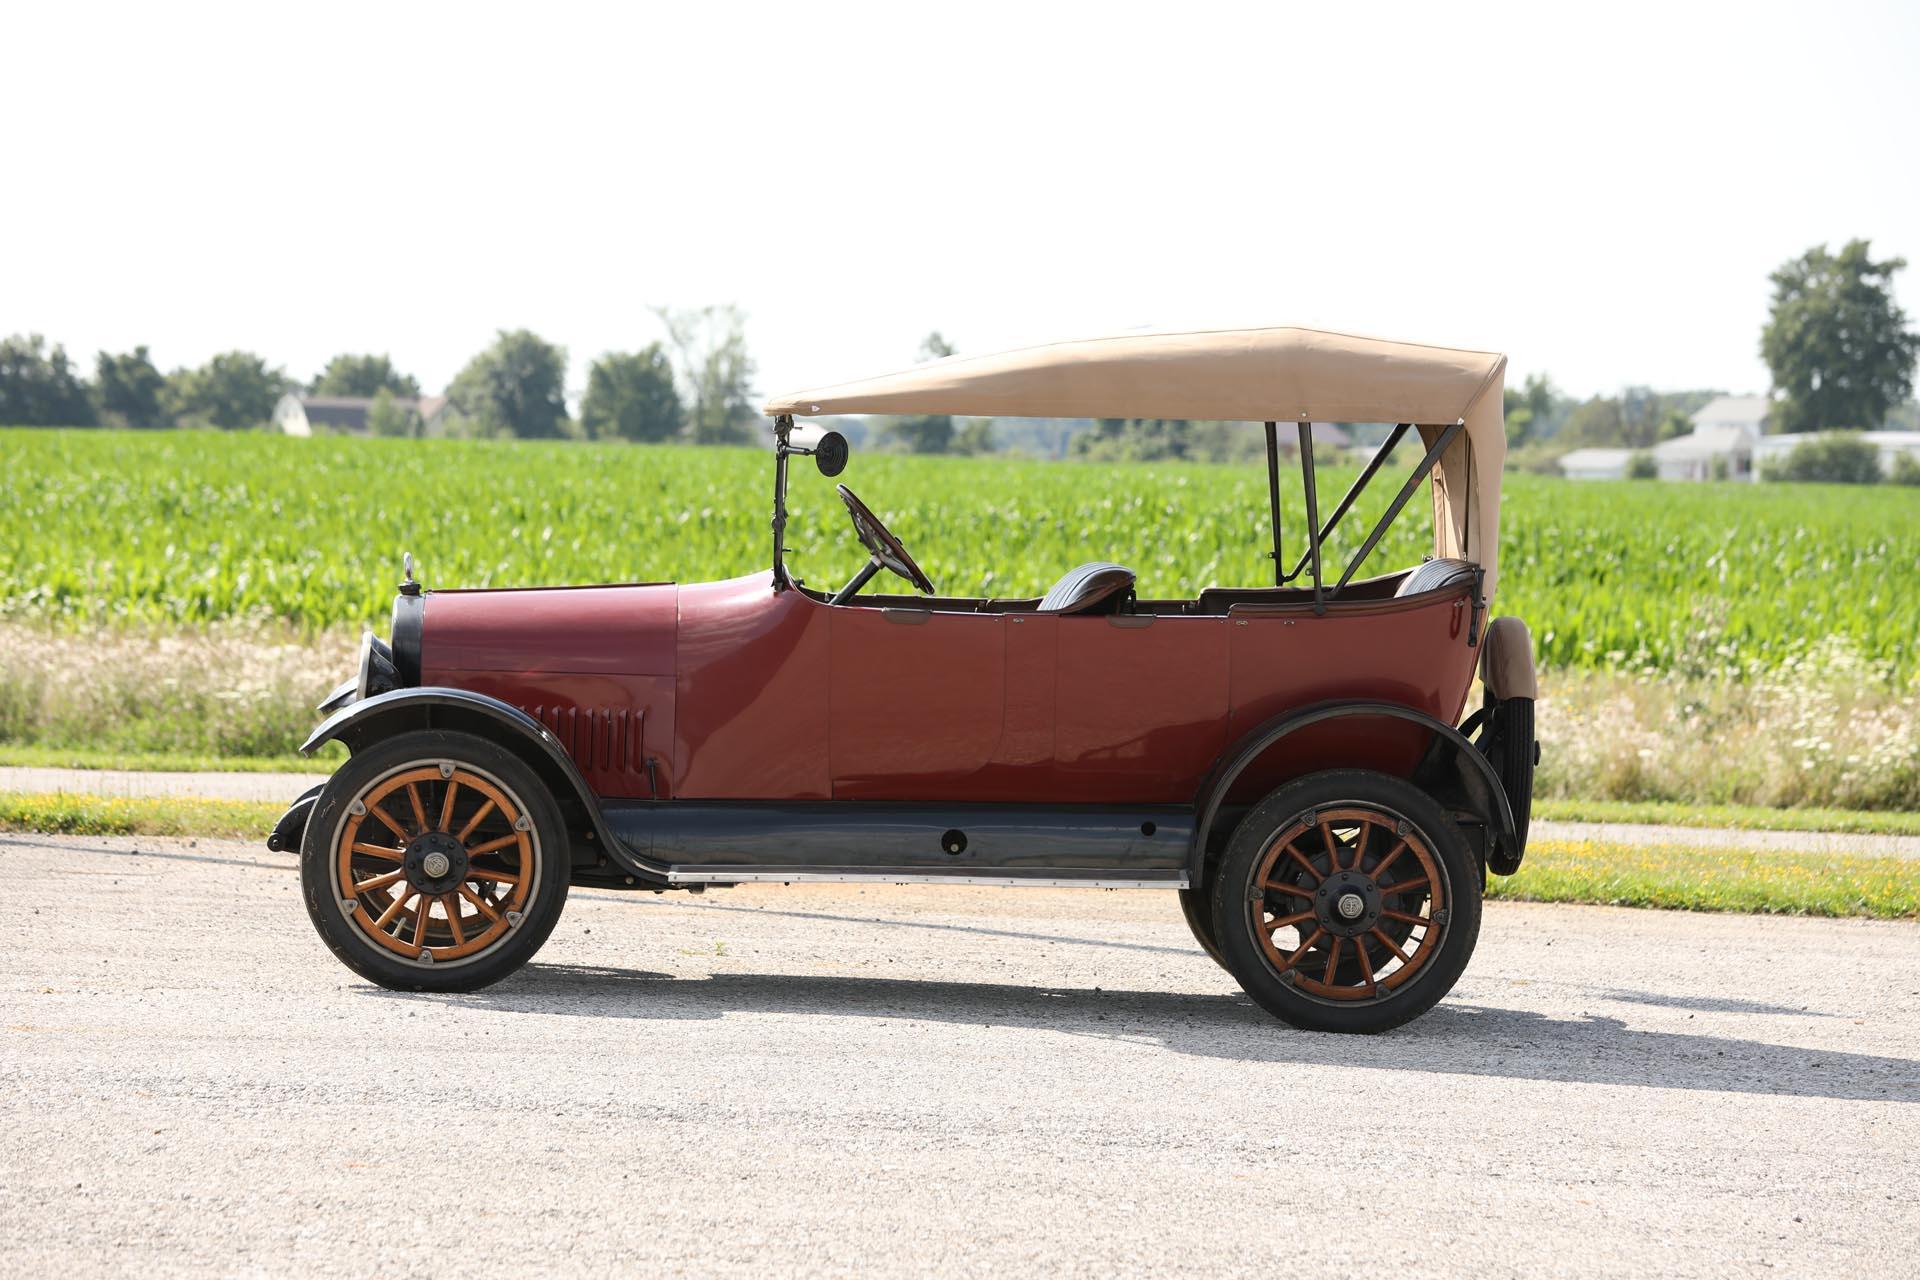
(172, 528)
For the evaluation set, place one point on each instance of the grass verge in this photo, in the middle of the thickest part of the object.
(1683, 878)
(63, 813)
(38, 757)
(1740, 816)
(1659, 812)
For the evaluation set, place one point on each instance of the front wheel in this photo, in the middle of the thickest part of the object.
(1347, 901)
(434, 861)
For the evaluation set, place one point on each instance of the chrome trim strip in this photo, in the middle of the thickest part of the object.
(722, 875)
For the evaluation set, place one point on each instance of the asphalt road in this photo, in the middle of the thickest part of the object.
(827, 1081)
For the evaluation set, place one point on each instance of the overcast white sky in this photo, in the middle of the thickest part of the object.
(1598, 190)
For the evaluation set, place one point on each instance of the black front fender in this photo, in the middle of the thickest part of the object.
(437, 707)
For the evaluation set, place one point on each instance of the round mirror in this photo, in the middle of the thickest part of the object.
(830, 453)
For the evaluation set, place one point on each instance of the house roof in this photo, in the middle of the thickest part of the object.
(1726, 411)
(349, 412)
(1880, 439)
(1594, 459)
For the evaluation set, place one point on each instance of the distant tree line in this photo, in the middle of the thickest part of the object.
(1636, 418)
(697, 386)
(1838, 348)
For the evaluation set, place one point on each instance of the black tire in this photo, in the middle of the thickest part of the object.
(1196, 905)
(502, 802)
(1346, 974)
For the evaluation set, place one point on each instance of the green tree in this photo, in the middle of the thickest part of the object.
(1830, 457)
(1641, 466)
(517, 387)
(128, 389)
(1134, 440)
(354, 375)
(1837, 344)
(38, 387)
(1637, 418)
(1535, 410)
(975, 436)
(233, 390)
(386, 416)
(711, 348)
(1906, 469)
(932, 432)
(632, 397)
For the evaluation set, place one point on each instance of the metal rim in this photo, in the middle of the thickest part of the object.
(1348, 902)
(435, 833)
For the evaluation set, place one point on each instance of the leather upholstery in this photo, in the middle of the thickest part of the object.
(1435, 574)
(1084, 588)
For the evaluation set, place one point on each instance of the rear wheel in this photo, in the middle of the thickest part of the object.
(1347, 901)
(434, 862)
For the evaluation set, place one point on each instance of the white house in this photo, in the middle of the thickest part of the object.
(1595, 464)
(1721, 443)
(298, 414)
(1891, 445)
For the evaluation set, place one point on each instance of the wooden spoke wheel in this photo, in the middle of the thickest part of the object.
(437, 861)
(1352, 903)
(1347, 901)
(434, 860)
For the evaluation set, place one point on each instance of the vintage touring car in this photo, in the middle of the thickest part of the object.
(1289, 757)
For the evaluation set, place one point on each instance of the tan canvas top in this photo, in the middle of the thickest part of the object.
(1254, 375)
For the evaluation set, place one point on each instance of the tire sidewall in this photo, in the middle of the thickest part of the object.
(374, 962)
(1235, 935)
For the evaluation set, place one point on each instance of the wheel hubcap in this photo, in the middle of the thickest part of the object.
(436, 862)
(1348, 903)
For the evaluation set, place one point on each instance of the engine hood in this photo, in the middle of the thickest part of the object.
(618, 630)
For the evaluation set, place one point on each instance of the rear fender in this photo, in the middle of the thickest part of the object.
(431, 707)
(1453, 769)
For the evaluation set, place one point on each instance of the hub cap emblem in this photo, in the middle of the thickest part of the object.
(1351, 905)
(436, 864)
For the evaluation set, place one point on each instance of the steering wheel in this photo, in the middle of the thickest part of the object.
(885, 548)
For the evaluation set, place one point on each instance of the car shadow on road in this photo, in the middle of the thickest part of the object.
(1452, 1039)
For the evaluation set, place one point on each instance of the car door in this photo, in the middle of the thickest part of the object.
(915, 702)
(1140, 707)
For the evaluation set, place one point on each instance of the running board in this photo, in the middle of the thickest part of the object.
(1038, 879)
(734, 842)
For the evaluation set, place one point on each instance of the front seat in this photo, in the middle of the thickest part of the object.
(1087, 588)
(1435, 574)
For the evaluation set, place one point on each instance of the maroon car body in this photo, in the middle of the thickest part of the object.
(679, 735)
(737, 691)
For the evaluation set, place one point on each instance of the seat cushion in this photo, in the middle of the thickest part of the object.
(1435, 574)
(1087, 587)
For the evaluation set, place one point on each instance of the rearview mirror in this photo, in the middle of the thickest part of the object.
(829, 448)
(831, 454)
